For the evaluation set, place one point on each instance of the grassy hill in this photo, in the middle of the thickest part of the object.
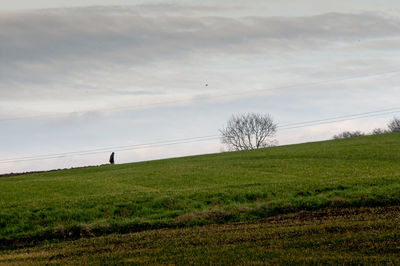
(211, 189)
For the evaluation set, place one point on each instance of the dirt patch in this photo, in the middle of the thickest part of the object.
(216, 216)
(331, 236)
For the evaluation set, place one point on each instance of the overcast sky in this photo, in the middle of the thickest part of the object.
(88, 75)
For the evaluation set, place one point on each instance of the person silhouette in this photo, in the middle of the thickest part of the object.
(112, 158)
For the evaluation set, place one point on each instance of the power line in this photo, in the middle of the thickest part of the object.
(340, 119)
(238, 93)
(108, 149)
(200, 138)
(343, 116)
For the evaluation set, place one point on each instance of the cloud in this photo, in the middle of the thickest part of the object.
(105, 57)
(70, 37)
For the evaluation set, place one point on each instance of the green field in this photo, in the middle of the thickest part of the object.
(49, 209)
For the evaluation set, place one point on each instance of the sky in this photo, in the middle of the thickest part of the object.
(80, 79)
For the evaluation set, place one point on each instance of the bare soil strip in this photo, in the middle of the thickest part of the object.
(331, 236)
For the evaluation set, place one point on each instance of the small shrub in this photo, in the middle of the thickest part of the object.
(337, 202)
(394, 125)
(303, 194)
(164, 202)
(349, 134)
(204, 217)
(378, 131)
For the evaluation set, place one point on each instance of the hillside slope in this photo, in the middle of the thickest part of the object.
(218, 188)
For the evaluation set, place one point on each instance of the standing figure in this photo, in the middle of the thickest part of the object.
(112, 158)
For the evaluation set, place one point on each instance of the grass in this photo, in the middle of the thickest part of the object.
(199, 190)
(329, 237)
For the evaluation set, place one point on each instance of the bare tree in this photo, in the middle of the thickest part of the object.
(378, 131)
(394, 125)
(249, 131)
(348, 134)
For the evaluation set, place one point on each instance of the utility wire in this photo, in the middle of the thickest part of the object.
(200, 138)
(238, 93)
(109, 149)
(337, 119)
(344, 116)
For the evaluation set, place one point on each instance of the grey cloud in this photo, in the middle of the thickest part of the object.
(58, 47)
(331, 27)
(131, 37)
(138, 92)
(153, 9)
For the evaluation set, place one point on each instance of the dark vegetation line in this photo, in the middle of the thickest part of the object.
(46, 171)
(198, 139)
(214, 97)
